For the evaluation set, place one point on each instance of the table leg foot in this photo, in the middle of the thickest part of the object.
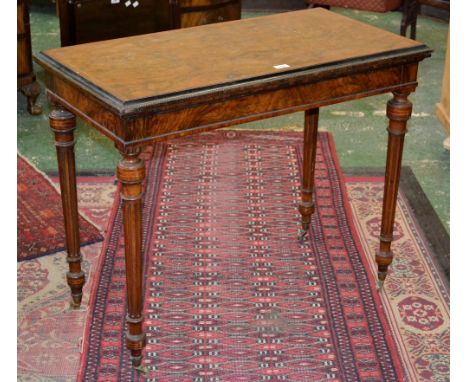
(306, 205)
(380, 284)
(76, 282)
(141, 369)
(136, 359)
(302, 234)
(74, 305)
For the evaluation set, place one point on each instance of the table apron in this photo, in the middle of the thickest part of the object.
(191, 118)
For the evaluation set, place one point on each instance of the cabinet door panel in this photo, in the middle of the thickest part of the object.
(97, 20)
(217, 13)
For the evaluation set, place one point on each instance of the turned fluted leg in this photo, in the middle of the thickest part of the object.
(131, 172)
(398, 112)
(306, 205)
(62, 123)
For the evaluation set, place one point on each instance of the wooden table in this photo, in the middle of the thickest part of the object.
(143, 89)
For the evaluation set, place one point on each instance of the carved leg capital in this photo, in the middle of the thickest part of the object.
(399, 110)
(131, 173)
(62, 123)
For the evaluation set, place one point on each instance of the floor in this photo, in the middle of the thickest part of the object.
(366, 147)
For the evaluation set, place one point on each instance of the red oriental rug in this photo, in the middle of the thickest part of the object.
(49, 333)
(40, 217)
(230, 294)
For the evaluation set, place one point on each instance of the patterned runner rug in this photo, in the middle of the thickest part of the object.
(230, 294)
(50, 334)
(40, 217)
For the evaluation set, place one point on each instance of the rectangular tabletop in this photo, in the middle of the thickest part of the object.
(203, 65)
(161, 64)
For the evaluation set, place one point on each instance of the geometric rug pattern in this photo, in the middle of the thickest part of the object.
(49, 332)
(40, 227)
(230, 293)
(416, 298)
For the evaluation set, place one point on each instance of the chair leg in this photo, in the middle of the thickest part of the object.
(315, 5)
(409, 17)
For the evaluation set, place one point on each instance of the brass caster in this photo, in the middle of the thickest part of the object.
(35, 109)
(74, 305)
(75, 302)
(301, 236)
(142, 369)
(380, 284)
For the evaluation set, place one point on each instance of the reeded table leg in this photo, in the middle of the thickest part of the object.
(131, 172)
(398, 111)
(62, 123)
(306, 205)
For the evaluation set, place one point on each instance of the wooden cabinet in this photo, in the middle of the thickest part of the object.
(26, 80)
(84, 21)
(190, 13)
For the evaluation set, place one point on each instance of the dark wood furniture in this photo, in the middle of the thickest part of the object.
(147, 88)
(411, 9)
(83, 21)
(365, 5)
(26, 79)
